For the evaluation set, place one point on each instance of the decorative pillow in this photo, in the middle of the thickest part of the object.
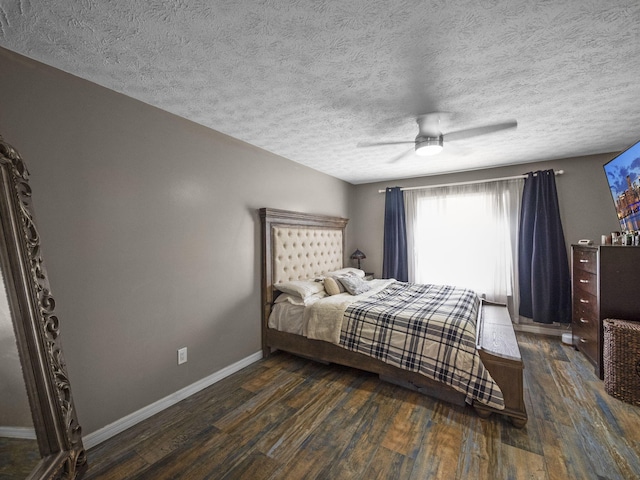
(332, 286)
(301, 288)
(346, 271)
(354, 285)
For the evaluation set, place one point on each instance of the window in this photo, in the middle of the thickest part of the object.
(465, 235)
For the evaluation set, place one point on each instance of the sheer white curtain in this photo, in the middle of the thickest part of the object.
(466, 235)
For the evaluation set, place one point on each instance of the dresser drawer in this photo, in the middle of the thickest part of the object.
(585, 282)
(585, 305)
(586, 340)
(585, 260)
(584, 320)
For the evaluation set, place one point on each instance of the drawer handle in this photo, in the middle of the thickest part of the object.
(584, 320)
(582, 280)
(583, 340)
(582, 300)
(584, 260)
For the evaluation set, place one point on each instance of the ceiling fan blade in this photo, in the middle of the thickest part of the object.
(474, 132)
(397, 158)
(380, 144)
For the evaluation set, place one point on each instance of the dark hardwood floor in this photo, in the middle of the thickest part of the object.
(289, 418)
(18, 457)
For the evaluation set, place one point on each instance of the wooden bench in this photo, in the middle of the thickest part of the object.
(498, 348)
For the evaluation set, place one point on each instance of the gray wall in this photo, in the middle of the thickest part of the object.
(149, 231)
(586, 206)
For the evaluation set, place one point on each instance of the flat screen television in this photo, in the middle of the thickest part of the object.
(623, 175)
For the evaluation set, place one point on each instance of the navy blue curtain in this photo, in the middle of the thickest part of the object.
(545, 284)
(394, 260)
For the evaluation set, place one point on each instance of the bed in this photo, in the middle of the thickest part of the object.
(300, 250)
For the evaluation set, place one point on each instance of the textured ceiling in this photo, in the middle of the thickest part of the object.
(310, 79)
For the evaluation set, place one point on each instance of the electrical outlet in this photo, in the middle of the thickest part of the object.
(182, 355)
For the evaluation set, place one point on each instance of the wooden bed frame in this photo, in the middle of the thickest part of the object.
(323, 236)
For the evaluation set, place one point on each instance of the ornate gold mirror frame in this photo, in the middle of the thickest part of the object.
(36, 327)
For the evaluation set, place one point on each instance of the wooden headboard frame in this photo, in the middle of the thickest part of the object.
(296, 246)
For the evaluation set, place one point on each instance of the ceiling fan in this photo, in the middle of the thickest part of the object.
(430, 139)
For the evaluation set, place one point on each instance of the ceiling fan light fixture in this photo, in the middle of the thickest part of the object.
(427, 146)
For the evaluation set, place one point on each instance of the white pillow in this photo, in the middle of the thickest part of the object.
(297, 300)
(301, 288)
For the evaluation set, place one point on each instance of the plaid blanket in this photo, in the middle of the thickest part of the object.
(430, 329)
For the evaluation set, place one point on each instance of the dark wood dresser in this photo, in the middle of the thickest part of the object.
(605, 284)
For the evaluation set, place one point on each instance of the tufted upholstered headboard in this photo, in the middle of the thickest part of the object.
(297, 246)
(304, 252)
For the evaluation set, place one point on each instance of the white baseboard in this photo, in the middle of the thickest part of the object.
(105, 433)
(25, 433)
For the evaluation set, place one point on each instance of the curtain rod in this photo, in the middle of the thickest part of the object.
(515, 177)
